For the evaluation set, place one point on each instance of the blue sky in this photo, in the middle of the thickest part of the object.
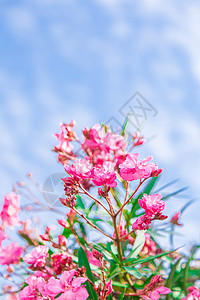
(63, 60)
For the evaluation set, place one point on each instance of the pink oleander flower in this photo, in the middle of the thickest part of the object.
(101, 144)
(138, 139)
(154, 289)
(142, 223)
(104, 175)
(62, 240)
(38, 256)
(194, 293)
(60, 261)
(10, 254)
(81, 169)
(133, 169)
(52, 288)
(65, 137)
(43, 274)
(35, 286)
(10, 209)
(152, 204)
(70, 287)
(149, 246)
(92, 260)
(175, 219)
(2, 236)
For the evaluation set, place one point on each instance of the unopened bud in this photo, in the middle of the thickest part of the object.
(156, 173)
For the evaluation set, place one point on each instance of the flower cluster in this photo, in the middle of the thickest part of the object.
(11, 253)
(153, 205)
(67, 287)
(154, 289)
(104, 245)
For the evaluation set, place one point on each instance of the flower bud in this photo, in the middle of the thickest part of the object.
(156, 173)
(64, 223)
(62, 240)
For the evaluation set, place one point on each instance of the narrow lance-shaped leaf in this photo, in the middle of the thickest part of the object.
(83, 261)
(138, 244)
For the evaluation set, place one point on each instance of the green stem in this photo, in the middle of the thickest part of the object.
(119, 248)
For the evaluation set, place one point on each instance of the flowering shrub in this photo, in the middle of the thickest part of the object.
(107, 247)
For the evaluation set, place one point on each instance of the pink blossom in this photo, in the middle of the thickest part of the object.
(60, 261)
(65, 138)
(35, 286)
(52, 288)
(81, 169)
(92, 260)
(101, 144)
(10, 209)
(44, 274)
(70, 287)
(105, 175)
(133, 169)
(37, 257)
(152, 204)
(138, 139)
(10, 254)
(62, 240)
(154, 289)
(142, 223)
(194, 293)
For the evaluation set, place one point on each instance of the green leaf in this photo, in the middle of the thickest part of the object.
(116, 283)
(174, 193)
(107, 253)
(185, 282)
(83, 261)
(138, 244)
(27, 238)
(124, 127)
(150, 185)
(80, 202)
(171, 276)
(122, 295)
(82, 228)
(67, 232)
(133, 272)
(166, 185)
(147, 259)
(186, 205)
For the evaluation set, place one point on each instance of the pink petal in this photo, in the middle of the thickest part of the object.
(67, 277)
(78, 281)
(82, 294)
(154, 295)
(163, 290)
